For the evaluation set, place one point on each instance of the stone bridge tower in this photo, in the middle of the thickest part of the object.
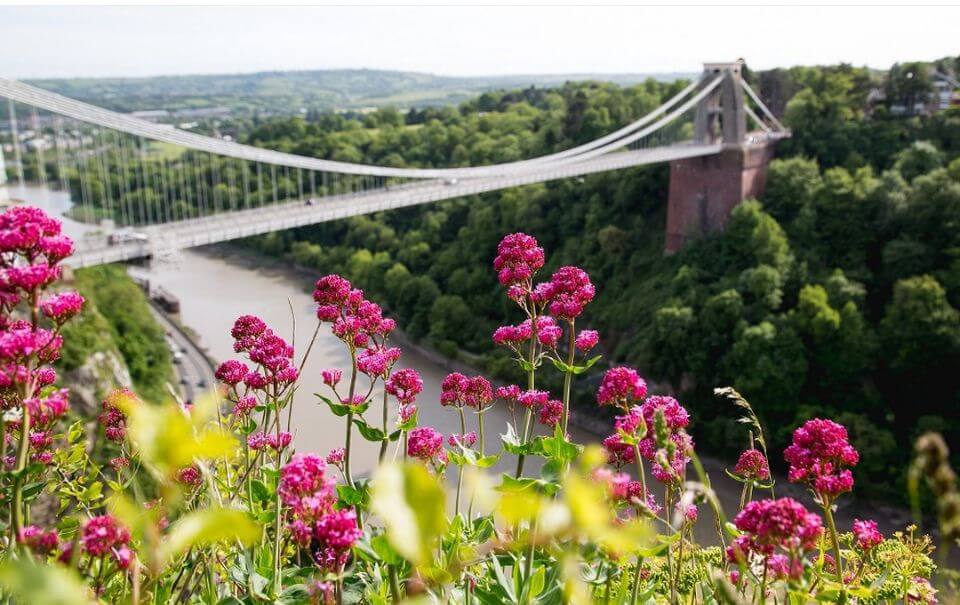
(704, 190)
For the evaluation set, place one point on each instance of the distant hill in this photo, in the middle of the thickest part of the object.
(286, 92)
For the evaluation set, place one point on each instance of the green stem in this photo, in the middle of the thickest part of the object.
(828, 513)
(394, 583)
(531, 381)
(346, 447)
(568, 377)
(383, 444)
(636, 582)
(463, 431)
(668, 508)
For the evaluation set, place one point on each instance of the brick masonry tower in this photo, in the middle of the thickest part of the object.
(704, 190)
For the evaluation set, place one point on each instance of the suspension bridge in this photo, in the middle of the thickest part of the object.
(151, 189)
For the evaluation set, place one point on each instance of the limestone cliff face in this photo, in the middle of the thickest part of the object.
(102, 372)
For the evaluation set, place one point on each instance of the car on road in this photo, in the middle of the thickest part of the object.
(125, 237)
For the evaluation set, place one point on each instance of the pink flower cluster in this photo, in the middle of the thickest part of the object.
(569, 290)
(39, 541)
(425, 443)
(61, 307)
(189, 475)
(310, 496)
(586, 340)
(752, 466)
(778, 532)
(637, 426)
(275, 441)
(271, 355)
(621, 386)
(623, 488)
(518, 258)
(112, 418)
(458, 390)
(405, 385)
(105, 535)
(820, 456)
(355, 320)
(377, 361)
(467, 440)
(866, 534)
(548, 333)
(29, 232)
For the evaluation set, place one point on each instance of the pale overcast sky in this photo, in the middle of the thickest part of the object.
(140, 41)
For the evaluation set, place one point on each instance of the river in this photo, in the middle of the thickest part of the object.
(215, 286)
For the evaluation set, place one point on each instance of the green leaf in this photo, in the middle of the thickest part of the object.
(412, 502)
(369, 433)
(381, 546)
(261, 493)
(205, 527)
(341, 409)
(353, 496)
(32, 582)
(590, 363)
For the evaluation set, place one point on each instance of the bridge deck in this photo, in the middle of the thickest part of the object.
(256, 221)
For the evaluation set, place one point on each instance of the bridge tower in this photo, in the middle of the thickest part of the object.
(704, 190)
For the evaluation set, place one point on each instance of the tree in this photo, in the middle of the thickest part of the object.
(908, 85)
(919, 158)
(792, 184)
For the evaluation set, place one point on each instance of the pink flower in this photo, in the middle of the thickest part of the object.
(407, 410)
(378, 361)
(336, 456)
(61, 307)
(621, 386)
(820, 456)
(331, 290)
(770, 527)
(424, 443)
(550, 412)
(257, 441)
(533, 399)
(570, 290)
(458, 390)
(467, 440)
(102, 534)
(189, 475)
(335, 534)
(586, 340)
(548, 332)
(245, 405)
(518, 258)
(38, 540)
(247, 327)
(279, 441)
(405, 385)
(114, 421)
(231, 372)
(752, 466)
(510, 392)
(304, 486)
(866, 534)
(331, 377)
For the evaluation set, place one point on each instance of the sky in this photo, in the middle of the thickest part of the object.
(460, 40)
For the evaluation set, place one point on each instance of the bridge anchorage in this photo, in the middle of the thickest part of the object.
(143, 189)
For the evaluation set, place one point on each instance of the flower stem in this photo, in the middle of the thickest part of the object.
(568, 377)
(828, 513)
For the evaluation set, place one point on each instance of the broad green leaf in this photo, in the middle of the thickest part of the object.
(370, 433)
(206, 527)
(32, 582)
(412, 504)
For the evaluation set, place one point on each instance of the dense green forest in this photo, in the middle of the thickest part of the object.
(836, 293)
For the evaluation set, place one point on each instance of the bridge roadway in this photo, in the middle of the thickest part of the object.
(237, 224)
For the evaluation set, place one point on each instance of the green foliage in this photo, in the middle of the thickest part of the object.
(120, 317)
